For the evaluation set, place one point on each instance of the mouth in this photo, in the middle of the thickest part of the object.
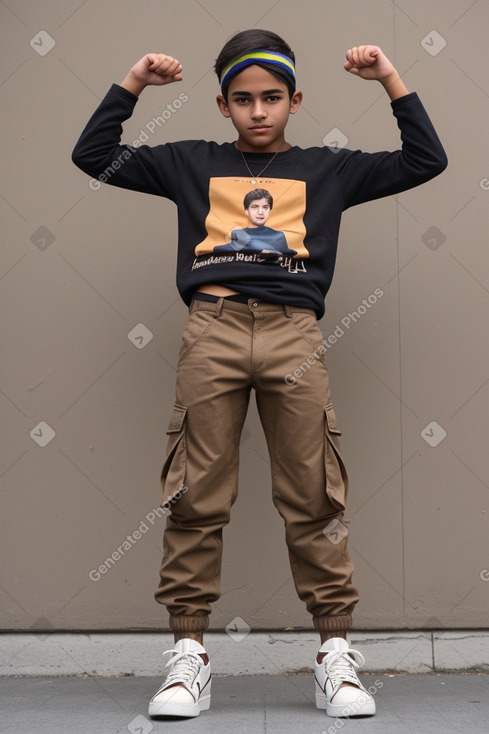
(261, 128)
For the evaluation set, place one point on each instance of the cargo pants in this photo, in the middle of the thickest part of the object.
(229, 348)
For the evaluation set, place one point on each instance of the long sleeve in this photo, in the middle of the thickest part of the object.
(100, 154)
(367, 176)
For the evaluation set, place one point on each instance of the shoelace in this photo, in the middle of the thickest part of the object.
(340, 666)
(184, 666)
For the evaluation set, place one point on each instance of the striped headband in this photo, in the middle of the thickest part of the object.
(259, 56)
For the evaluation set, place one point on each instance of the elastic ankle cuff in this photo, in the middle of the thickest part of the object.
(185, 623)
(340, 623)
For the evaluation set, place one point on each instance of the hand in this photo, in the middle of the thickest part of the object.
(369, 62)
(153, 69)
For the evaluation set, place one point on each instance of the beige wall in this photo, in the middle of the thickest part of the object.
(80, 269)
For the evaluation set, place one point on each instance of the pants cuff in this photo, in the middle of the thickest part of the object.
(185, 623)
(341, 623)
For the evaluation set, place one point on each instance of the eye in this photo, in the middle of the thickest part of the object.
(241, 100)
(273, 98)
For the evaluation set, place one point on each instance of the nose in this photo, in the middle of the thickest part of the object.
(258, 112)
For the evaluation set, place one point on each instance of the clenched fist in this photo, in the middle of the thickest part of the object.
(152, 69)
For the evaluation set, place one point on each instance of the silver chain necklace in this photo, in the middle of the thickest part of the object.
(253, 177)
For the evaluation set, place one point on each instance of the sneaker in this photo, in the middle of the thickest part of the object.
(337, 667)
(187, 687)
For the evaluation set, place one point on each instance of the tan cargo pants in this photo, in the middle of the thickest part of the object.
(227, 349)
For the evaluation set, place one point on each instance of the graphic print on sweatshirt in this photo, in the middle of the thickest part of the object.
(260, 222)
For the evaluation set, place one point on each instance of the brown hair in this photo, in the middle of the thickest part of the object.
(257, 194)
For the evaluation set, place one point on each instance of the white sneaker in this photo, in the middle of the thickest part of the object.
(187, 687)
(337, 667)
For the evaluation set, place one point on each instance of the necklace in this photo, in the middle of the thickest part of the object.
(253, 178)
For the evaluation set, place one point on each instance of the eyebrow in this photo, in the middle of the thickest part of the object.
(266, 91)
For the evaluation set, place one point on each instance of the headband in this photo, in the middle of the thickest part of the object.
(263, 57)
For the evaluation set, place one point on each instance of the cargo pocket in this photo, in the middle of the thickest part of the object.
(336, 475)
(175, 466)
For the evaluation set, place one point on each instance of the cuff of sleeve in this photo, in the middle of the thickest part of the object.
(124, 93)
(410, 98)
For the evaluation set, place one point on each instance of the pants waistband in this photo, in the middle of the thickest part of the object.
(210, 298)
(245, 304)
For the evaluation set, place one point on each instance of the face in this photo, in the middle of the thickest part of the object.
(258, 212)
(259, 107)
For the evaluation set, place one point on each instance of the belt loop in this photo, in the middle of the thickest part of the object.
(219, 305)
(288, 311)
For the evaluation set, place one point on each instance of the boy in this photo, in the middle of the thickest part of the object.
(252, 321)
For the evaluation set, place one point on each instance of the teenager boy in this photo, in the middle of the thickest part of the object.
(253, 321)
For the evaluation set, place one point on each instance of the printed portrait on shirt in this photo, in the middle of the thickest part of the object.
(263, 219)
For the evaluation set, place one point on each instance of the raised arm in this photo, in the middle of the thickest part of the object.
(367, 176)
(99, 151)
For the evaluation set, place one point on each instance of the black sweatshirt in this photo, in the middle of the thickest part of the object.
(292, 258)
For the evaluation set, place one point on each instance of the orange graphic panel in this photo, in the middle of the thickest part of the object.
(227, 214)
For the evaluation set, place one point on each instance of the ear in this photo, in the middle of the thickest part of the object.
(295, 102)
(223, 105)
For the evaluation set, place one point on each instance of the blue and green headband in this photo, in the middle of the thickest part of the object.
(261, 56)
